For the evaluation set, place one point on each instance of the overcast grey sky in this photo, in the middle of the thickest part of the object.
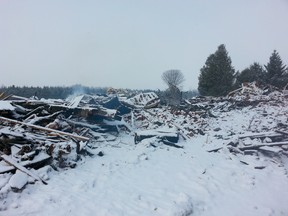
(130, 43)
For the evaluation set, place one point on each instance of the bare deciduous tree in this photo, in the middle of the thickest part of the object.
(173, 78)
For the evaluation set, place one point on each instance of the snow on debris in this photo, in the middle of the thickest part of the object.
(234, 161)
(19, 180)
(143, 100)
(75, 101)
(6, 105)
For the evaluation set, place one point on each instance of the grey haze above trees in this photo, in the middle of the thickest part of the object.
(217, 78)
(217, 75)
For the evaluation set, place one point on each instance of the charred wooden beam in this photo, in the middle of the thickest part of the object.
(45, 129)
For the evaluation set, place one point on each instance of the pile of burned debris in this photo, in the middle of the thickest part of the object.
(35, 133)
(265, 143)
(266, 131)
(59, 133)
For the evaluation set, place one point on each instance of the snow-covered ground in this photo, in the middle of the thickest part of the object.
(145, 180)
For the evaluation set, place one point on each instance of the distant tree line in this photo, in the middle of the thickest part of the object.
(50, 92)
(218, 76)
(60, 92)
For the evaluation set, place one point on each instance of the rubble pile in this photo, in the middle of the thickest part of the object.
(59, 133)
(35, 133)
(262, 131)
(254, 92)
(143, 100)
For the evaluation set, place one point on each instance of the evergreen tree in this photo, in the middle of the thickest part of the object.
(217, 75)
(255, 72)
(276, 71)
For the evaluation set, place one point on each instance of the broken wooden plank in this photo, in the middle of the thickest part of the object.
(250, 152)
(259, 167)
(10, 161)
(256, 147)
(167, 135)
(38, 161)
(42, 118)
(40, 108)
(261, 135)
(282, 132)
(45, 129)
(166, 142)
(243, 162)
(234, 150)
(214, 150)
(272, 150)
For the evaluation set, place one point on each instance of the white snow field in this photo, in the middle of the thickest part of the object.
(132, 180)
